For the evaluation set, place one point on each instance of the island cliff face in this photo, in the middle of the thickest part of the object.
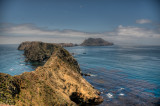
(96, 42)
(37, 51)
(58, 82)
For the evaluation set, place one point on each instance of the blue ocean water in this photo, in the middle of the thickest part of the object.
(12, 61)
(125, 75)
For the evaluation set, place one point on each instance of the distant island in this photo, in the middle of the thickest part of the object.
(95, 42)
(58, 82)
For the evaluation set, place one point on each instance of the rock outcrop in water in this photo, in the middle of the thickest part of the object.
(96, 42)
(58, 82)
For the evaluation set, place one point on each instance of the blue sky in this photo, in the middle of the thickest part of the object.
(75, 20)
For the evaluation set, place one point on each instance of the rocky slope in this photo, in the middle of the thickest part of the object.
(96, 42)
(58, 82)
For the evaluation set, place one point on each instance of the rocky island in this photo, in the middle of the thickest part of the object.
(95, 42)
(25, 44)
(58, 82)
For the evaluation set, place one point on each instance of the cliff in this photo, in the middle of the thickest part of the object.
(96, 42)
(37, 51)
(58, 82)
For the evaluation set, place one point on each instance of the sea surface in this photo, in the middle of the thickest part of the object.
(125, 75)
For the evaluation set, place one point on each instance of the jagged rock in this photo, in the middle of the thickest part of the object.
(85, 74)
(96, 42)
(58, 82)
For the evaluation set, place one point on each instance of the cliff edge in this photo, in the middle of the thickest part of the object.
(58, 82)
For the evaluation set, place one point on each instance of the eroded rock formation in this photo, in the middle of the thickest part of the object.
(58, 82)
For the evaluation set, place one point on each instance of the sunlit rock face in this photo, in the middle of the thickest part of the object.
(58, 82)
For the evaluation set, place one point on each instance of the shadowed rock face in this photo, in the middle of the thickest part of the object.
(37, 51)
(95, 42)
(58, 82)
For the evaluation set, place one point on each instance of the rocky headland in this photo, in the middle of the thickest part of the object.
(27, 44)
(95, 42)
(58, 82)
(37, 51)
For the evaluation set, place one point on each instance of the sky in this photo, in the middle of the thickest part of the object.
(72, 21)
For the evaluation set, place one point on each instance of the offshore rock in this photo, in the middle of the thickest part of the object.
(58, 82)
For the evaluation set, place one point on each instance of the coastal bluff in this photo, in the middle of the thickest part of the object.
(95, 42)
(58, 82)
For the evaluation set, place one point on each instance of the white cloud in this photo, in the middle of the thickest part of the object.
(32, 30)
(143, 21)
(134, 35)
(136, 32)
(122, 34)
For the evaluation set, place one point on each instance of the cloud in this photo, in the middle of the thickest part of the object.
(134, 35)
(33, 30)
(143, 21)
(136, 32)
(16, 33)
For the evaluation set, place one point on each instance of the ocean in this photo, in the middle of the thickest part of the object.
(125, 75)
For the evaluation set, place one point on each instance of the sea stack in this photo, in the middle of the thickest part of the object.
(96, 42)
(58, 82)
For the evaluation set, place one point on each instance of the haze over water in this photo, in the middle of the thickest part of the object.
(125, 75)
